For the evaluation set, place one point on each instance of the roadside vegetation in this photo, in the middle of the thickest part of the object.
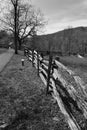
(2, 50)
(78, 65)
(74, 61)
(23, 100)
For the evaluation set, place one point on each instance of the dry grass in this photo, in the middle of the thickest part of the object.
(78, 65)
(23, 103)
(74, 61)
(2, 50)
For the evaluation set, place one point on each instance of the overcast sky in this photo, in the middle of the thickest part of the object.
(63, 13)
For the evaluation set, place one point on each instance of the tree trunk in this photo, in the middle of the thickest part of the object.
(20, 43)
(15, 34)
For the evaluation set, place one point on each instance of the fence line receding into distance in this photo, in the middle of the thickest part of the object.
(62, 84)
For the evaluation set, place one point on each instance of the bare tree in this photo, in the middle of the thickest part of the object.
(23, 21)
(15, 27)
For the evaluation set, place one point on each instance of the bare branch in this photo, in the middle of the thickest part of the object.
(12, 2)
(28, 20)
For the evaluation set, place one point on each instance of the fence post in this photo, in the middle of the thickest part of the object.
(49, 71)
(25, 51)
(32, 57)
(37, 63)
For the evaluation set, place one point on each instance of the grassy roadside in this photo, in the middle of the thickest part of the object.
(74, 61)
(24, 105)
(2, 50)
(78, 65)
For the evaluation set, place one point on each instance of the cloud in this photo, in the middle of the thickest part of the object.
(61, 13)
(55, 27)
(73, 11)
(53, 6)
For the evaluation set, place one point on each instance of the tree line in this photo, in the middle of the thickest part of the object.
(69, 41)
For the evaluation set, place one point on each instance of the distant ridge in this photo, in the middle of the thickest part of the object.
(68, 41)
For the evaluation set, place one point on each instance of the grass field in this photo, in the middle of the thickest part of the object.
(2, 50)
(74, 61)
(23, 101)
(78, 65)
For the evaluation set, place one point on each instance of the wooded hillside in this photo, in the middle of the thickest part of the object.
(68, 41)
(5, 39)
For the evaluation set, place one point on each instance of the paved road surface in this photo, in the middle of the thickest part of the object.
(5, 58)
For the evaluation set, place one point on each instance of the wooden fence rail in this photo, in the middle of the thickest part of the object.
(61, 83)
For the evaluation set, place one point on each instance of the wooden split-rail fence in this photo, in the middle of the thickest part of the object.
(66, 88)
